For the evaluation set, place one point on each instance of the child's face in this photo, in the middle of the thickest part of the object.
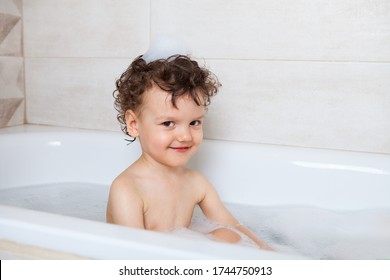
(169, 135)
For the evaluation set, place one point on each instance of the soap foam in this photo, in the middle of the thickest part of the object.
(164, 46)
(320, 233)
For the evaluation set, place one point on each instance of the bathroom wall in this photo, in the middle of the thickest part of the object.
(301, 73)
(11, 64)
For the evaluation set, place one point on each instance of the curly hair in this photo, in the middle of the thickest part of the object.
(178, 75)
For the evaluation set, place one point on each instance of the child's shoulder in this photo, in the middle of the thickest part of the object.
(124, 182)
(199, 179)
(124, 191)
(195, 174)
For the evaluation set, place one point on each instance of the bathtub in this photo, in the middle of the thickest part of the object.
(254, 175)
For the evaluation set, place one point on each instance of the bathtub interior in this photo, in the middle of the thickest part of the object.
(288, 189)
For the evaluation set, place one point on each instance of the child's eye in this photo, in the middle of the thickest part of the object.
(195, 123)
(168, 123)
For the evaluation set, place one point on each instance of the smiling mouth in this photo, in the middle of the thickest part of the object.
(180, 149)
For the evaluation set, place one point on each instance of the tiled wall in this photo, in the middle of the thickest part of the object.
(303, 73)
(74, 51)
(11, 64)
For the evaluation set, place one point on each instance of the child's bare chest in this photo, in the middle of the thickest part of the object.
(170, 208)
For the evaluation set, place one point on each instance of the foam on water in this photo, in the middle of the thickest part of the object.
(313, 232)
(320, 233)
(80, 200)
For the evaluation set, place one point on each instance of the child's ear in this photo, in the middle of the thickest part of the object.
(131, 123)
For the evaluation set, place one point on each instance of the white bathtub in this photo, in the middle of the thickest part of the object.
(249, 174)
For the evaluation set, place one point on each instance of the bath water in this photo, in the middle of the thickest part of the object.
(313, 232)
(80, 200)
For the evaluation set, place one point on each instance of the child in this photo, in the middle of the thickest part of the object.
(162, 103)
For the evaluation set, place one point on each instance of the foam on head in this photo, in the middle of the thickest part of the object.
(162, 47)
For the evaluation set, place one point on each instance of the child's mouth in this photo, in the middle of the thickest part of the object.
(180, 149)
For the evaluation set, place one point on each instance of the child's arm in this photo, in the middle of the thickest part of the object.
(125, 206)
(214, 210)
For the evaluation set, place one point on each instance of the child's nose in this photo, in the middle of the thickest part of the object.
(184, 134)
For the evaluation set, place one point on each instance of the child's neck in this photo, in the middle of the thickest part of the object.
(154, 166)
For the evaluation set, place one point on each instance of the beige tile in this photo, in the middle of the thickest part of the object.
(89, 28)
(18, 116)
(11, 73)
(11, 43)
(326, 105)
(278, 29)
(311, 104)
(73, 92)
(11, 111)
(7, 23)
(11, 91)
(19, 5)
(10, 28)
(11, 7)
